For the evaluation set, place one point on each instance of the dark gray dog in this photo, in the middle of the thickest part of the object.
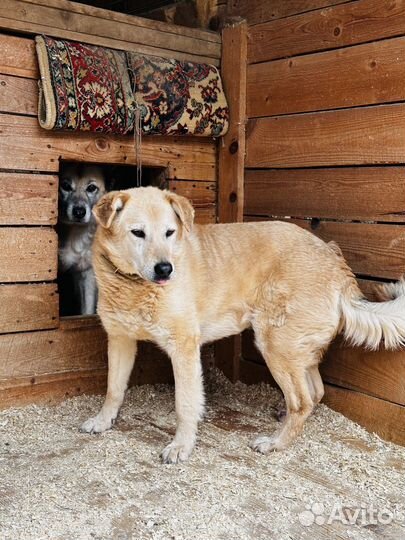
(80, 187)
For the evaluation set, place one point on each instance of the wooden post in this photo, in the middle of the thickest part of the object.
(231, 161)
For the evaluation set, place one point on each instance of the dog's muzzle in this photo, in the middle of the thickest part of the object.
(162, 272)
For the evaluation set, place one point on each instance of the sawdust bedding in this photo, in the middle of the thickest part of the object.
(58, 483)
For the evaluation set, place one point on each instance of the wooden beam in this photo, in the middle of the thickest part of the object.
(28, 199)
(318, 81)
(338, 26)
(28, 254)
(28, 307)
(346, 193)
(258, 11)
(231, 162)
(232, 146)
(37, 149)
(361, 136)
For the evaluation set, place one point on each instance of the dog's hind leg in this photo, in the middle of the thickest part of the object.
(87, 288)
(189, 397)
(292, 369)
(121, 358)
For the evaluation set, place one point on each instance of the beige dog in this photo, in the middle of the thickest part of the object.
(162, 279)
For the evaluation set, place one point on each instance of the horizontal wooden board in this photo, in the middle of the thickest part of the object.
(363, 193)
(28, 307)
(201, 194)
(378, 373)
(18, 57)
(319, 81)
(28, 199)
(373, 250)
(61, 21)
(69, 348)
(18, 95)
(337, 26)
(25, 146)
(205, 215)
(28, 254)
(361, 136)
(258, 11)
(376, 415)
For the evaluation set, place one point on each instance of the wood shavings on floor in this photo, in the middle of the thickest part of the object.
(336, 481)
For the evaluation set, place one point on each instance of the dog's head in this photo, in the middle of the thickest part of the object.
(141, 230)
(80, 188)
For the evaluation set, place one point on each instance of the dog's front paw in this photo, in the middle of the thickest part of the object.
(264, 445)
(98, 424)
(176, 453)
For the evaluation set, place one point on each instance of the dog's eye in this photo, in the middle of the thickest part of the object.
(139, 233)
(66, 186)
(169, 232)
(92, 188)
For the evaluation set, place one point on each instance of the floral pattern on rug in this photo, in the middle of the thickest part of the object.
(178, 98)
(89, 88)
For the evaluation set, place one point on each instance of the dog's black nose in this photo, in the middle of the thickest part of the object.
(163, 270)
(79, 212)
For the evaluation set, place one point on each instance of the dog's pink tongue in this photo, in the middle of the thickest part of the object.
(162, 281)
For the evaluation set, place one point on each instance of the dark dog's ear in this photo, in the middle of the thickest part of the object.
(108, 206)
(183, 209)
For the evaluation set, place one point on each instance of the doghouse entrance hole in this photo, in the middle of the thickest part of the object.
(76, 190)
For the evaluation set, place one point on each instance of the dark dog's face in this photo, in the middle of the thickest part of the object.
(80, 187)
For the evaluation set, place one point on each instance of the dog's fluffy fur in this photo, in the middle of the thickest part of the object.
(80, 188)
(294, 290)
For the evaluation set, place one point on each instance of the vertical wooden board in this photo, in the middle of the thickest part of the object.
(258, 11)
(18, 95)
(78, 344)
(17, 57)
(28, 199)
(28, 307)
(376, 415)
(363, 193)
(232, 146)
(377, 373)
(318, 82)
(361, 136)
(28, 254)
(337, 26)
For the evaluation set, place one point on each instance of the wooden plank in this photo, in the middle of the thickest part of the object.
(205, 215)
(363, 193)
(377, 373)
(319, 81)
(337, 26)
(28, 307)
(69, 348)
(63, 22)
(373, 250)
(28, 199)
(258, 11)
(376, 415)
(142, 22)
(52, 389)
(231, 157)
(362, 136)
(28, 254)
(201, 194)
(38, 149)
(18, 95)
(17, 57)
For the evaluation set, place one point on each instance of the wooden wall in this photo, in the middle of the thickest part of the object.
(326, 147)
(41, 357)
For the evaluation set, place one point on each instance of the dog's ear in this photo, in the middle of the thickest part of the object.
(183, 209)
(108, 206)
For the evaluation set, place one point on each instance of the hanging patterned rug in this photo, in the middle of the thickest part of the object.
(178, 98)
(89, 88)
(83, 87)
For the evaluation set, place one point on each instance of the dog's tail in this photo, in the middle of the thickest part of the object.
(368, 323)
